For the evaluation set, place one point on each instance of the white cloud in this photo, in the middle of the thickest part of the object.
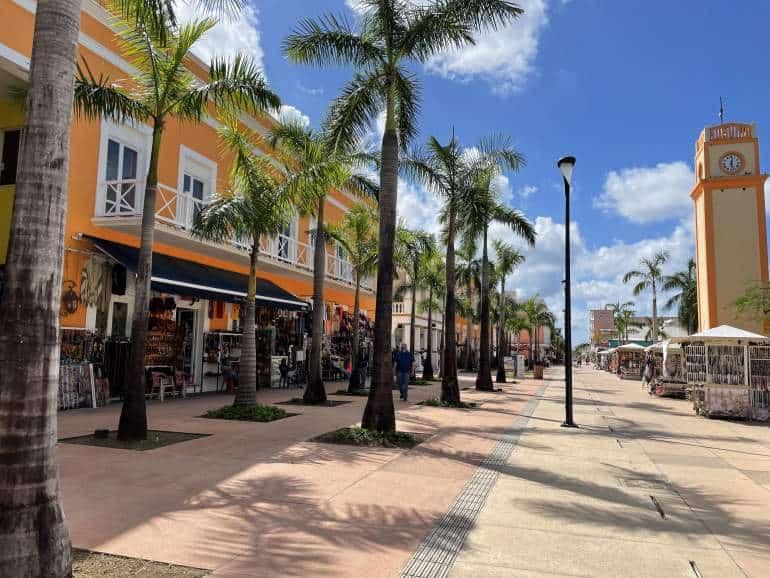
(418, 208)
(231, 36)
(525, 191)
(288, 113)
(503, 58)
(648, 194)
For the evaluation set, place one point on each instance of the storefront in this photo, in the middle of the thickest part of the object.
(194, 324)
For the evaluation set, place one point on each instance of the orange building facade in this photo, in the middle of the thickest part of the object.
(105, 190)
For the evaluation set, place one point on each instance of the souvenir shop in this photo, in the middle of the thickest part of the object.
(668, 375)
(628, 359)
(193, 326)
(338, 340)
(728, 373)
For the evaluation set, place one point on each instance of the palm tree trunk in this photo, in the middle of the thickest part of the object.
(379, 413)
(427, 370)
(34, 539)
(355, 383)
(450, 389)
(484, 378)
(133, 415)
(315, 392)
(501, 336)
(469, 333)
(654, 312)
(246, 394)
(413, 313)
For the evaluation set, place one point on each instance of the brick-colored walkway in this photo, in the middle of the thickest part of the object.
(259, 500)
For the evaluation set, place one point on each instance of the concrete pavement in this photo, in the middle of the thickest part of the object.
(643, 488)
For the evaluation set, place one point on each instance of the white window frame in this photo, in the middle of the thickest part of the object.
(199, 167)
(135, 135)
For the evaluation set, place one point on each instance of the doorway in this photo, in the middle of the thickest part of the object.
(186, 326)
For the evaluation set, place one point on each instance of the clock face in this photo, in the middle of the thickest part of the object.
(731, 163)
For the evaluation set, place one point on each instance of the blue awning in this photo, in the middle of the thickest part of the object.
(181, 277)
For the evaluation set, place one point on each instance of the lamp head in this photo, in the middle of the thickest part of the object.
(566, 164)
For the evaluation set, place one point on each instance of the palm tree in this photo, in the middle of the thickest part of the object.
(508, 259)
(432, 279)
(414, 249)
(162, 88)
(479, 210)
(648, 333)
(358, 235)
(538, 316)
(516, 321)
(317, 167)
(448, 170)
(648, 277)
(390, 34)
(469, 277)
(34, 539)
(686, 298)
(258, 204)
(621, 312)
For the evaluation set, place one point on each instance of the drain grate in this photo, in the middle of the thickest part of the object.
(436, 555)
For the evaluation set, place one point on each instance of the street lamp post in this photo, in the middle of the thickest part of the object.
(566, 164)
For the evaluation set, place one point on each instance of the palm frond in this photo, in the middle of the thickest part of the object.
(330, 39)
(407, 90)
(97, 97)
(352, 112)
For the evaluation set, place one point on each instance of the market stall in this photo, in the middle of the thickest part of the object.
(727, 371)
(630, 360)
(668, 378)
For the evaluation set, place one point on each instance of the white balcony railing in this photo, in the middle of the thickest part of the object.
(122, 198)
(126, 197)
(398, 307)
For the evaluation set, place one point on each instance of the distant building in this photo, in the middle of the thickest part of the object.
(602, 325)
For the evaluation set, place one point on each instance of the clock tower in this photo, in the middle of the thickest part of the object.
(730, 232)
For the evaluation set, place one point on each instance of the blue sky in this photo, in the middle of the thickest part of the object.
(625, 86)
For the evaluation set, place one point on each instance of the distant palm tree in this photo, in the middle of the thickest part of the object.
(390, 34)
(432, 280)
(538, 317)
(686, 298)
(508, 259)
(413, 250)
(258, 204)
(357, 233)
(647, 325)
(449, 171)
(621, 311)
(478, 211)
(162, 88)
(648, 277)
(469, 277)
(317, 167)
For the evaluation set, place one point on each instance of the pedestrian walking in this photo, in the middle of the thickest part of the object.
(404, 361)
(648, 371)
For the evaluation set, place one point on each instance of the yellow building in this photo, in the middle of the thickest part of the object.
(106, 183)
(731, 236)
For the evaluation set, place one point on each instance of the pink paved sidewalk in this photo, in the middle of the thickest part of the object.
(259, 500)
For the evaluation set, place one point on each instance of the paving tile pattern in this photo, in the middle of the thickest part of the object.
(436, 555)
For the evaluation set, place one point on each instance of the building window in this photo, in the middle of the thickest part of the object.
(120, 178)
(197, 183)
(9, 153)
(193, 188)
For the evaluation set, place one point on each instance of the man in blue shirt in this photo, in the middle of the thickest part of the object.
(404, 360)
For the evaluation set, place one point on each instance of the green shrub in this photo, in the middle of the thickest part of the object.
(357, 436)
(434, 402)
(258, 413)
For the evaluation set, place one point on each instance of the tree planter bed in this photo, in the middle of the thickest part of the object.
(355, 436)
(327, 403)
(155, 439)
(260, 413)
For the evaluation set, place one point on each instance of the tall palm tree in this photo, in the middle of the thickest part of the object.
(161, 89)
(34, 539)
(316, 166)
(649, 277)
(258, 204)
(479, 210)
(414, 249)
(685, 283)
(358, 235)
(433, 280)
(448, 170)
(538, 317)
(508, 259)
(516, 321)
(390, 34)
(469, 277)
(647, 325)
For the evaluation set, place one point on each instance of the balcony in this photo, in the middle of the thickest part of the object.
(119, 207)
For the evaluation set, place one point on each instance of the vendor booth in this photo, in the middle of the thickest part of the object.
(668, 377)
(630, 358)
(727, 371)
